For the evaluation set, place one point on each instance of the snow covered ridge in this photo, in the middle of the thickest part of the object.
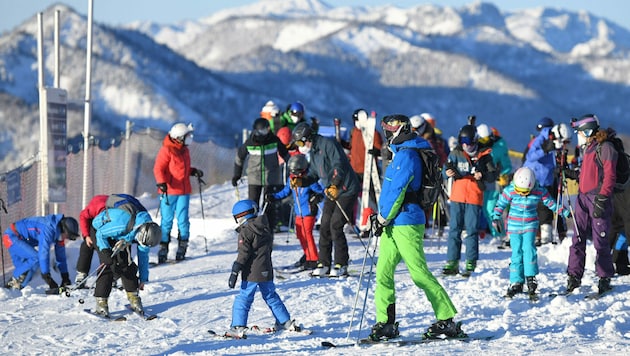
(193, 296)
(217, 72)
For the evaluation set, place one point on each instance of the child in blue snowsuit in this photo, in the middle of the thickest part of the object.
(255, 242)
(522, 196)
(40, 232)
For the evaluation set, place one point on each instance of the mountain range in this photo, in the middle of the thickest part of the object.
(508, 68)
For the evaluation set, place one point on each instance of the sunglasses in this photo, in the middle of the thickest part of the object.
(522, 191)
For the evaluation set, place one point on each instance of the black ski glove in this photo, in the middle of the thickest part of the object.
(599, 205)
(51, 282)
(269, 198)
(236, 268)
(376, 225)
(65, 279)
(196, 172)
(548, 146)
(106, 257)
(374, 152)
(571, 173)
(235, 180)
(162, 187)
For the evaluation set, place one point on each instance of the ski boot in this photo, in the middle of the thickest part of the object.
(237, 332)
(384, 331)
(288, 325)
(80, 280)
(136, 302)
(532, 284)
(470, 268)
(181, 250)
(102, 308)
(163, 252)
(603, 286)
(16, 283)
(514, 289)
(573, 283)
(445, 328)
(451, 268)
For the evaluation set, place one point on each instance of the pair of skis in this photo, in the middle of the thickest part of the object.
(367, 125)
(113, 317)
(256, 330)
(403, 341)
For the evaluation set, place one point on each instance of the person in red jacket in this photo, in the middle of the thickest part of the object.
(172, 171)
(86, 251)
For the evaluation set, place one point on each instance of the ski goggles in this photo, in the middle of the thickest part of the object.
(391, 125)
(261, 132)
(466, 140)
(522, 191)
(300, 143)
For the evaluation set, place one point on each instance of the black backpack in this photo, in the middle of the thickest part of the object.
(431, 179)
(127, 203)
(623, 163)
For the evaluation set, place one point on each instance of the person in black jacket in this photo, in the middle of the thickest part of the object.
(620, 229)
(253, 262)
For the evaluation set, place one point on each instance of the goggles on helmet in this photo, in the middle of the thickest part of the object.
(522, 191)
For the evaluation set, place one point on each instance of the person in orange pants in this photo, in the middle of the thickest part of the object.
(307, 193)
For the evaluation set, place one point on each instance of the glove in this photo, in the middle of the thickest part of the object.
(236, 268)
(162, 187)
(374, 152)
(497, 224)
(295, 182)
(315, 198)
(504, 180)
(235, 180)
(106, 257)
(269, 198)
(571, 173)
(119, 246)
(331, 192)
(376, 225)
(599, 205)
(65, 280)
(548, 146)
(51, 282)
(565, 212)
(196, 172)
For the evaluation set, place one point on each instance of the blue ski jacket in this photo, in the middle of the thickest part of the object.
(111, 226)
(302, 204)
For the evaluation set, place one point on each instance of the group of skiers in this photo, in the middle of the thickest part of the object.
(286, 156)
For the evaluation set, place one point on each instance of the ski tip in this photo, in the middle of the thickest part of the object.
(328, 344)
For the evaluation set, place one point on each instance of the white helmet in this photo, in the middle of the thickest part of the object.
(418, 124)
(561, 135)
(181, 132)
(483, 131)
(524, 180)
(270, 109)
(428, 118)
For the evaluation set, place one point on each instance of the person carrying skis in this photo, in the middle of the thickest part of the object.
(593, 210)
(116, 229)
(522, 197)
(261, 152)
(330, 164)
(172, 171)
(253, 262)
(28, 242)
(307, 193)
(86, 251)
(401, 223)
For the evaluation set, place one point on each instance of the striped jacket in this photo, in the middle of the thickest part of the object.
(522, 215)
(263, 165)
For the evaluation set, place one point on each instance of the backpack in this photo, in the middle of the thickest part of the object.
(127, 203)
(431, 179)
(623, 163)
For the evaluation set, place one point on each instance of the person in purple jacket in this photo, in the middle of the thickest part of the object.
(23, 237)
(593, 210)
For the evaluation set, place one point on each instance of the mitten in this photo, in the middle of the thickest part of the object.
(236, 268)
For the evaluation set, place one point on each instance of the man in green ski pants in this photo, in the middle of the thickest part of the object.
(401, 221)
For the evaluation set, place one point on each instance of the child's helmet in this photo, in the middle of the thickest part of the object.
(298, 165)
(524, 180)
(69, 226)
(244, 210)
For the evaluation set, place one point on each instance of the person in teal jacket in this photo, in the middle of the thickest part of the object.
(523, 196)
(116, 230)
(401, 222)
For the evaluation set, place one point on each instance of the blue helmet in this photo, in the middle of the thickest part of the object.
(244, 210)
(544, 122)
(296, 107)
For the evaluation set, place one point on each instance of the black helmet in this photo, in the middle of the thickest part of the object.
(149, 234)
(357, 112)
(298, 165)
(261, 127)
(544, 122)
(70, 226)
(588, 123)
(394, 125)
(468, 135)
(302, 132)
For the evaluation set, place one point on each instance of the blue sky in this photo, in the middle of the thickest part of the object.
(115, 12)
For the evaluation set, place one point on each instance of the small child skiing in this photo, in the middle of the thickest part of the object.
(522, 196)
(254, 263)
(307, 193)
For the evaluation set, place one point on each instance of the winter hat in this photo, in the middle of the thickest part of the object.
(270, 110)
(428, 118)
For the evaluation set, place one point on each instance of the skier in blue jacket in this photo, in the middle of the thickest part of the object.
(114, 235)
(40, 232)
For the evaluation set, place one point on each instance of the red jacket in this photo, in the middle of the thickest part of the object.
(172, 166)
(357, 149)
(94, 207)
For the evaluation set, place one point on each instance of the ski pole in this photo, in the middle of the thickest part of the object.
(354, 227)
(356, 299)
(367, 289)
(203, 216)
(4, 208)
(98, 270)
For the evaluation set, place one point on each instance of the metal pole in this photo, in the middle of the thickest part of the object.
(127, 164)
(88, 109)
(43, 125)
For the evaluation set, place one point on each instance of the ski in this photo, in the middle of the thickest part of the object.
(110, 317)
(403, 341)
(272, 330)
(367, 125)
(168, 262)
(143, 315)
(597, 295)
(227, 335)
